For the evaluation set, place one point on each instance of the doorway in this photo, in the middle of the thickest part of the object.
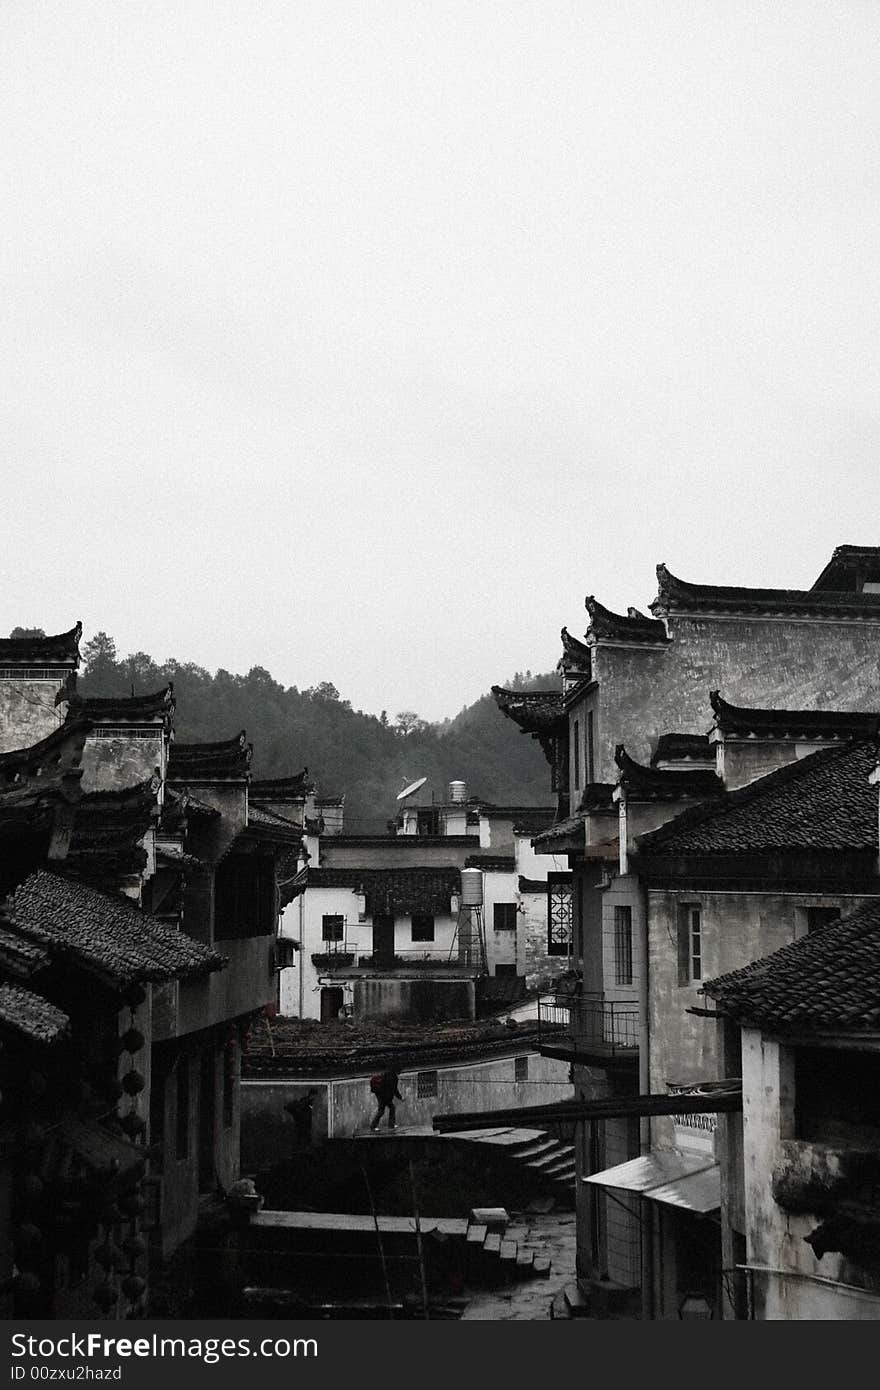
(383, 940)
(331, 1002)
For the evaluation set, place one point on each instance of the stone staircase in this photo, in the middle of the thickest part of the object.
(550, 1161)
(490, 1253)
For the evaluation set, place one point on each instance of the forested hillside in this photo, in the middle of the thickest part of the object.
(368, 758)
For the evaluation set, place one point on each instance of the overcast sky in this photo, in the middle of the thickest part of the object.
(360, 341)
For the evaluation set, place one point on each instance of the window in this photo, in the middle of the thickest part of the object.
(591, 763)
(426, 1085)
(623, 946)
(505, 970)
(520, 1068)
(559, 914)
(183, 1107)
(422, 926)
(818, 917)
(245, 897)
(504, 916)
(576, 738)
(690, 943)
(333, 926)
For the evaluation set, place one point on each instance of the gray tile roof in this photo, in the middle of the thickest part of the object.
(829, 979)
(104, 934)
(822, 802)
(31, 1016)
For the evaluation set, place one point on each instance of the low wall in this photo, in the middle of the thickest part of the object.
(345, 1106)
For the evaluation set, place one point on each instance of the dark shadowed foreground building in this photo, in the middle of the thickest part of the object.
(140, 902)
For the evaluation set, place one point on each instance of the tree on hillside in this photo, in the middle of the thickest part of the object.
(408, 722)
(27, 632)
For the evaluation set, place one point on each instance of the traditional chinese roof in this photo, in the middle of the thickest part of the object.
(104, 934)
(294, 787)
(568, 834)
(31, 1016)
(677, 596)
(60, 749)
(786, 723)
(19, 957)
(606, 626)
(108, 829)
(576, 655)
(225, 761)
(683, 748)
(821, 802)
(849, 567)
(656, 784)
(394, 890)
(828, 979)
(538, 712)
(532, 820)
(491, 863)
(125, 709)
(62, 649)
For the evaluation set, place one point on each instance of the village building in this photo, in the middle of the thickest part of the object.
(447, 911)
(725, 883)
(138, 931)
(619, 772)
(803, 1181)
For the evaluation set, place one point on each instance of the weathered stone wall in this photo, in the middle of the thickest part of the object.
(736, 928)
(109, 764)
(425, 999)
(28, 712)
(775, 1238)
(345, 1105)
(782, 663)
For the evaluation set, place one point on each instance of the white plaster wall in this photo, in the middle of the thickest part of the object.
(796, 1289)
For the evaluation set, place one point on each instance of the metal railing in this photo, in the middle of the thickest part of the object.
(589, 1024)
(344, 955)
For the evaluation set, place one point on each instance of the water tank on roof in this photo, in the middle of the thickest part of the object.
(458, 792)
(472, 888)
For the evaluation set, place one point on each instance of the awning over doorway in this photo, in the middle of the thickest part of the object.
(691, 1182)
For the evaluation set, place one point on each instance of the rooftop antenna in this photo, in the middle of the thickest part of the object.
(413, 787)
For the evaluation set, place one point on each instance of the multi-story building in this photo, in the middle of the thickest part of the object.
(139, 931)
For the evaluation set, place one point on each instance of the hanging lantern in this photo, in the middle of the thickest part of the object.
(134, 995)
(133, 1124)
(133, 1286)
(133, 1082)
(132, 1040)
(134, 1247)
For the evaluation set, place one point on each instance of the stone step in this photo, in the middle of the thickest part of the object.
(524, 1262)
(577, 1301)
(496, 1218)
(541, 1266)
(533, 1149)
(559, 1308)
(476, 1234)
(508, 1250)
(563, 1168)
(492, 1243)
(539, 1165)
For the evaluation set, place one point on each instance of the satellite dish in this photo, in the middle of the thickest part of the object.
(413, 787)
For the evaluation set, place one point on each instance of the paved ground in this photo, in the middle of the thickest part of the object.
(529, 1300)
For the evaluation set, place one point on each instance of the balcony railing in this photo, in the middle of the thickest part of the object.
(588, 1026)
(340, 955)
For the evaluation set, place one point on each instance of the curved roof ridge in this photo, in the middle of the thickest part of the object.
(631, 626)
(50, 649)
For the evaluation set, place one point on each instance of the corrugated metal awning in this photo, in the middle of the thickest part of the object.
(691, 1182)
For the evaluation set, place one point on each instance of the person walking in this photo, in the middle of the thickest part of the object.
(384, 1086)
(300, 1111)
